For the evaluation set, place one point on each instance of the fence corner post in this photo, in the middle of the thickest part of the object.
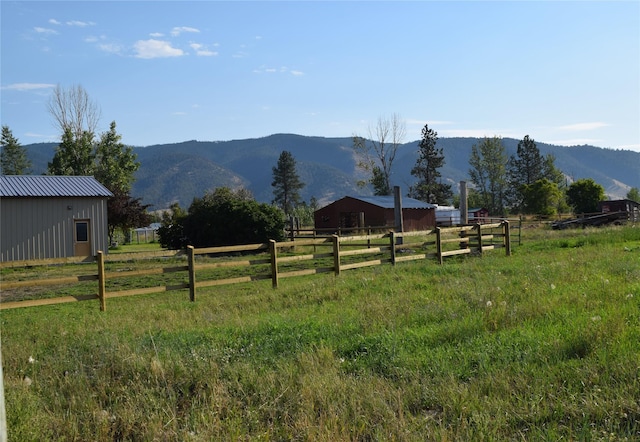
(479, 227)
(192, 272)
(506, 231)
(102, 295)
(336, 254)
(392, 236)
(274, 263)
(439, 244)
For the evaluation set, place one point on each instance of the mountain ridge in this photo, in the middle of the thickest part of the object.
(178, 172)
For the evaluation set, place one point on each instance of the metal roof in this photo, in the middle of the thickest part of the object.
(387, 202)
(50, 185)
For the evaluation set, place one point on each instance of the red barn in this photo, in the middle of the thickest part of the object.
(374, 211)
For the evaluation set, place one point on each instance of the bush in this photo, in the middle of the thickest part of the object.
(171, 231)
(225, 217)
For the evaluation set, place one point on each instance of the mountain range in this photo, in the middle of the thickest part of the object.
(179, 172)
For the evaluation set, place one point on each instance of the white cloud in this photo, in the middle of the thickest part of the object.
(47, 31)
(53, 21)
(180, 29)
(111, 48)
(297, 73)
(584, 126)
(156, 49)
(156, 34)
(28, 86)
(79, 23)
(202, 50)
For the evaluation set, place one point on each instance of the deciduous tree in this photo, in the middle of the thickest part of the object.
(125, 213)
(429, 188)
(541, 197)
(13, 157)
(115, 163)
(72, 109)
(74, 155)
(634, 194)
(377, 153)
(488, 163)
(286, 183)
(584, 194)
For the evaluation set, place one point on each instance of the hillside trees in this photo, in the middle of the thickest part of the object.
(222, 217)
(584, 194)
(377, 154)
(430, 159)
(488, 163)
(286, 183)
(13, 157)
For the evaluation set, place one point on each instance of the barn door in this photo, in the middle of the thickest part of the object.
(81, 237)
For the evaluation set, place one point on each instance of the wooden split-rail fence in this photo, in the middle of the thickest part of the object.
(283, 260)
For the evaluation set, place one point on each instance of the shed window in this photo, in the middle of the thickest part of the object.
(82, 231)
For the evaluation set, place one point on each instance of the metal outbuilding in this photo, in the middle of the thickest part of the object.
(43, 217)
(374, 211)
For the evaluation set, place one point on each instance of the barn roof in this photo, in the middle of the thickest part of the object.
(50, 185)
(387, 202)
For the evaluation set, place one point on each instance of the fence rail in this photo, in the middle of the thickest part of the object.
(285, 259)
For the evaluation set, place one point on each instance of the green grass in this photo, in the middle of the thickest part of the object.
(542, 345)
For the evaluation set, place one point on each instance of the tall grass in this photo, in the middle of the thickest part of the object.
(542, 345)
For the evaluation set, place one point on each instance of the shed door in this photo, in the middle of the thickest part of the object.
(81, 237)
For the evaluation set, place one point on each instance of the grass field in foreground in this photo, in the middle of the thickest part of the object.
(542, 345)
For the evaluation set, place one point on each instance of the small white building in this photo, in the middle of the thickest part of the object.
(43, 217)
(447, 216)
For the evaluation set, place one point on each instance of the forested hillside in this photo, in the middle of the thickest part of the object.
(179, 172)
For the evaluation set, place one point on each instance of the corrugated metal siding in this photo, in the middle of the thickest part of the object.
(42, 228)
(388, 202)
(35, 185)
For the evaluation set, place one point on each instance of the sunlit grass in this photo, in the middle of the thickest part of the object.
(542, 345)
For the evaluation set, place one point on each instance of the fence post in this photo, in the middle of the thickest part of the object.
(336, 254)
(101, 282)
(479, 227)
(392, 236)
(506, 231)
(439, 244)
(274, 263)
(192, 273)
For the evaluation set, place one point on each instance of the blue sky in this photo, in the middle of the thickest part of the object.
(565, 73)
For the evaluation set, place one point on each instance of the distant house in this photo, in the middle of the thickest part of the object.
(630, 207)
(44, 217)
(478, 215)
(374, 211)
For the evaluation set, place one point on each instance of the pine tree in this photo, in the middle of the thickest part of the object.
(13, 157)
(286, 183)
(430, 159)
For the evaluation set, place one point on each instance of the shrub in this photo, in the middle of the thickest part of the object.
(225, 217)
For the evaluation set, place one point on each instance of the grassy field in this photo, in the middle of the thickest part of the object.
(542, 345)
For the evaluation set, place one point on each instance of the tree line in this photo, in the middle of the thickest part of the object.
(527, 182)
(524, 183)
